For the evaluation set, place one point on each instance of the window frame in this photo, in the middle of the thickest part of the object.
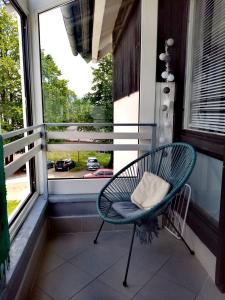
(211, 233)
(22, 212)
(212, 144)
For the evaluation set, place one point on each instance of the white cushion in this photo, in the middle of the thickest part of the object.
(150, 191)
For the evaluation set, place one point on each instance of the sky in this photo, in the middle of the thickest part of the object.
(54, 41)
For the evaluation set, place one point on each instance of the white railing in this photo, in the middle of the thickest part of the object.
(145, 134)
(20, 144)
(38, 135)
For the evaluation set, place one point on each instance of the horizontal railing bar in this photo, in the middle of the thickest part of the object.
(15, 165)
(98, 147)
(99, 124)
(77, 135)
(11, 134)
(20, 144)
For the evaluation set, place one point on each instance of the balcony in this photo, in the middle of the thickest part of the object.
(65, 263)
(52, 215)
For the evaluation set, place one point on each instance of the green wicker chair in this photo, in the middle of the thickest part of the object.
(173, 163)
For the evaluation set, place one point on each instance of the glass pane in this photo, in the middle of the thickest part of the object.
(74, 89)
(206, 182)
(205, 89)
(79, 164)
(12, 97)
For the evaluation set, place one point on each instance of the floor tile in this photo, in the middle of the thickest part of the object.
(143, 266)
(67, 246)
(37, 294)
(161, 289)
(210, 291)
(187, 272)
(97, 259)
(99, 291)
(50, 262)
(63, 282)
(116, 239)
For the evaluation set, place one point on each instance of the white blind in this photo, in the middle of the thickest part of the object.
(207, 97)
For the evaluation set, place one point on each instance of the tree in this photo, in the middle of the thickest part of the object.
(11, 111)
(101, 96)
(57, 97)
(101, 91)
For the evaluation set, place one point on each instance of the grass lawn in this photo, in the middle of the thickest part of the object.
(11, 205)
(80, 158)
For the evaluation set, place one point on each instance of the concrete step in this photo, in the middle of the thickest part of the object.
(72, 205)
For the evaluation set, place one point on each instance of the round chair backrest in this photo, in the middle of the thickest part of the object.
(173, 163)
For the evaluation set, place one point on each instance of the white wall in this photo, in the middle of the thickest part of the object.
(126, 110)
(42, 5)
(203, 254)
(76, 186)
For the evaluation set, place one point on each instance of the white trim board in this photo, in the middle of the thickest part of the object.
(76, 186)
(149, 25)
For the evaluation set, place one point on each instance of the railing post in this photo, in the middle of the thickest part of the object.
(44, 160)
(153, 144)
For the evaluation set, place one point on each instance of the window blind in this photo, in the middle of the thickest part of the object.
(207, 97)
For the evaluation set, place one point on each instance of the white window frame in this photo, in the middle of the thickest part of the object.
(189, 65)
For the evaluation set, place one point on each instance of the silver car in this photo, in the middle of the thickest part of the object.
(92, 163)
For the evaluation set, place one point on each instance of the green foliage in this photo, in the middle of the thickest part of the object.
(101, 93)
(60, 103)
(56, 94)
(10, 78)
(11, 205)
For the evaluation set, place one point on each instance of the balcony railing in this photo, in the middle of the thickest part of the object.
(34, 142)
(124, 137)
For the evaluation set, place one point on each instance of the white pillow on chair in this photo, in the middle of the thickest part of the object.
(150, 191)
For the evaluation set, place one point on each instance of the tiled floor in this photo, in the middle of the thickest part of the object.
(73, 268)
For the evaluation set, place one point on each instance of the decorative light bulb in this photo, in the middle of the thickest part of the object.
(164, 107)
(162, 139)
(167, 124)
(162, 56)
(170, 77)
(170, 42)
(166, 90)
(166, 102)
(164, 75)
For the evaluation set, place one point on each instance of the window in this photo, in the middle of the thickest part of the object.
(15, 107)
(205, 88)
(74, 89)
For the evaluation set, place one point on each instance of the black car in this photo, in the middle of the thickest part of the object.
(50, 164)
(64, 165)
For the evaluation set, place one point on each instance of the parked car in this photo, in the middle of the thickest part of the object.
(50, 164)
(100, 173)
(64, 165)
(92, 163)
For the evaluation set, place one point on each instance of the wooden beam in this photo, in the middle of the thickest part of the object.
(97, 27)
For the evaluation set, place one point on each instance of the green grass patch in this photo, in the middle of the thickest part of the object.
(80, 158)
(11, 205)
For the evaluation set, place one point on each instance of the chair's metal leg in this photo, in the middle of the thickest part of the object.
(183, 240)
(95, 240)
(129, 256)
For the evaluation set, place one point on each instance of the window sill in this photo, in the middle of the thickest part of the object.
(22, 247)
(206, 143)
